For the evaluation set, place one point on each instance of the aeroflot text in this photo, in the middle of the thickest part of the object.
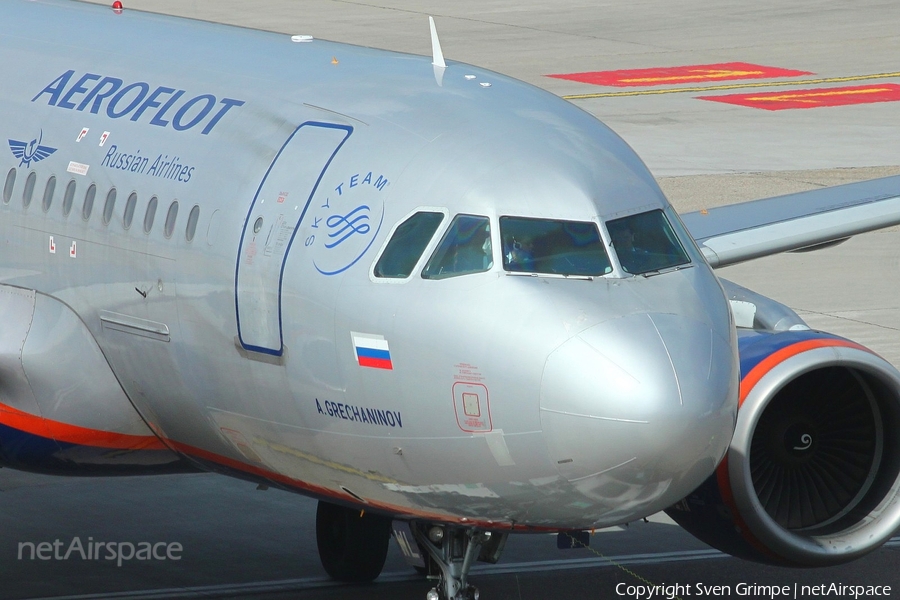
(750, 590)
(163, 106)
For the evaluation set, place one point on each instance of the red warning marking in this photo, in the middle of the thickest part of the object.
(789, 99)
(678, 75)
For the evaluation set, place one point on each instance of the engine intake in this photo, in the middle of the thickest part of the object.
(812, 475)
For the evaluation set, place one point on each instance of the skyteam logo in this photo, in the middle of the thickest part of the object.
(31, 151)
(342, 229)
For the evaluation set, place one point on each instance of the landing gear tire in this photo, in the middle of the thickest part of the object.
(352, 545)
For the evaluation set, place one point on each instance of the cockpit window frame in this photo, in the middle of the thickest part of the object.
(683, 238)
(426, 253)
(439, 252)
(602, 237)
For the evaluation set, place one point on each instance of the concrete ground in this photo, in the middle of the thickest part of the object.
(675, 133)
(239, 542)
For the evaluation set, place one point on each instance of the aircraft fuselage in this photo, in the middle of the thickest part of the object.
(215, 221)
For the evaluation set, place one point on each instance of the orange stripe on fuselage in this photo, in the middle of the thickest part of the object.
(323, 492)
(73, 434)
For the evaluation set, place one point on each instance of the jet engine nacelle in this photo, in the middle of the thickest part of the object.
(812, 475)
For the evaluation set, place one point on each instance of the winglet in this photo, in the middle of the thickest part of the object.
(438, 59)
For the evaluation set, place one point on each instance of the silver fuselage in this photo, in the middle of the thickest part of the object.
(601, 399)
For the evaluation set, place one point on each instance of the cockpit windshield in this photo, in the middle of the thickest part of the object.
(553, 247)
(645, 242)
(464, 249)
(407, 245)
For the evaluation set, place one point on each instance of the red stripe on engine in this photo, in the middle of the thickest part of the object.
(773, 360)
(724, 482)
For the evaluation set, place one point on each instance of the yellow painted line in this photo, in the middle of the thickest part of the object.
(733, 86)
(696, 74)
(802, 96)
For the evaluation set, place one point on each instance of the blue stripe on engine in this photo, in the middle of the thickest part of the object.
(756, 346)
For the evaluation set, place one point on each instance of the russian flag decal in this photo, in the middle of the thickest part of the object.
(372, 351)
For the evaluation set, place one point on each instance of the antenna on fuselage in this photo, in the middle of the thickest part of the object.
(437, 54)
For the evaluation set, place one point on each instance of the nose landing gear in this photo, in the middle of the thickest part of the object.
(454, 549)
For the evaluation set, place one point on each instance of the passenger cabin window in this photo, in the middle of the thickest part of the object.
(193, 218)
(109, 206)
(645, 242)
(464, 249)
(68, 198)
(28, 192)
(49, 190)
(170, 218)
(130, 205)
(150, 214)
(407, 245)
(9, 185)
(88, 206)
(553, 247)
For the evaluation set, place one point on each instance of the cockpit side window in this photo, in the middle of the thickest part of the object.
(645, 242)
(407, 245)
(553, 247)
(464, 249)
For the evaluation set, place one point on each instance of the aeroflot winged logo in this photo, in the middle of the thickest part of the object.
(163, 106)
(30, 151)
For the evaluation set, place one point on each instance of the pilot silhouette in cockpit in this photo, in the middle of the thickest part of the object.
(519, 255)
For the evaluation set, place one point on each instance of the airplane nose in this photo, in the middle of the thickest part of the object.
(646, 401)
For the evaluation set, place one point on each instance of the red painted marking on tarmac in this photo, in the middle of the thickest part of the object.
(814, 98)
(680, 75)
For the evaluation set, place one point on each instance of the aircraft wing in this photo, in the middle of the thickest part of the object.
(731, 234)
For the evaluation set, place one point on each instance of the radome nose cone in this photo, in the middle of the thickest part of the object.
(633, 389)
(627, 368)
